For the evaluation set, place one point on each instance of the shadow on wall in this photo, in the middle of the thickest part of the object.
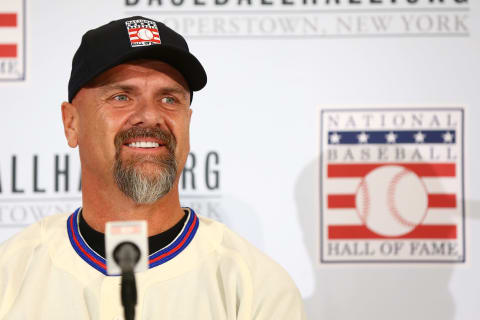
(368, 292)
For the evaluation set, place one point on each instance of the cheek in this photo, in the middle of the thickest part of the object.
(181, 130)
(186, 133)
(98, 132)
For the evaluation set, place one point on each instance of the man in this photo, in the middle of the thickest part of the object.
(129, 113)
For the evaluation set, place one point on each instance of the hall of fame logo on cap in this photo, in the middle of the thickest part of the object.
(392, 185)
(142, 32)
(12, 40)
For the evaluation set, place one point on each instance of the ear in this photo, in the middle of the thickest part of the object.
(70, 123)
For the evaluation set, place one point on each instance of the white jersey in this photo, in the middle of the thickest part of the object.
(208, 272)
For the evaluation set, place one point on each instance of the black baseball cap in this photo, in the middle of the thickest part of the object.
(128, 39)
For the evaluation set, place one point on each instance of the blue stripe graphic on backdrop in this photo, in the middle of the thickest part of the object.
(392, 136)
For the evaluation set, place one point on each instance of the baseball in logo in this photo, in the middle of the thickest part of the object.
(12, 40)
(392, 185)
(142, 32)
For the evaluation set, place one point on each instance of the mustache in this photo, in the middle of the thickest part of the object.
(165, 137)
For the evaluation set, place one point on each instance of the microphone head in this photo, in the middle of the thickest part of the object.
(126, 246)
(126, 255)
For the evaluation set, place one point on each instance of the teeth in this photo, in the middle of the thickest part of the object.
(144, 144)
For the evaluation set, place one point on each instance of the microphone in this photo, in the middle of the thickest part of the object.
(126, 249)
(126, 255)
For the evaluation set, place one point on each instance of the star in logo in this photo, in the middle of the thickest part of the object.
(335, 137)
(419, 137)
(362, 137)
(447, 137)
(391, 137)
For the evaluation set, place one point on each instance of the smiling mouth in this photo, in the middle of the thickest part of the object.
(144, 140)
(143, 144)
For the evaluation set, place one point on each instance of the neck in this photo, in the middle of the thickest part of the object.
(103, 203)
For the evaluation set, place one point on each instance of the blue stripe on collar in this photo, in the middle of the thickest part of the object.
(82, 249)
(169, 252)
(180, 243)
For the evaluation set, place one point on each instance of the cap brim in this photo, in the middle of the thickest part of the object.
(186, 63)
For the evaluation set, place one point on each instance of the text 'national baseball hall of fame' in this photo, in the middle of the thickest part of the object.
(392, 186)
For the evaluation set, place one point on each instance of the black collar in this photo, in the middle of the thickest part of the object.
(96, 240)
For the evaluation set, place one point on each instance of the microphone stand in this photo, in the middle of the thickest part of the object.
(126, 255)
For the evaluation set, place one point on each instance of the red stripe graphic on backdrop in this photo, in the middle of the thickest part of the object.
(440, 200)
(8, 50)
(8, 19)
(435, 200)
(341, 201)
(421, 169)
(420, 232)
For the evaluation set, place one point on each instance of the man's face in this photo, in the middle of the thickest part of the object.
(133, 128)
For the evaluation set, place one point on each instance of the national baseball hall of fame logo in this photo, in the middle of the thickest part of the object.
(12, 40)
(392, 185)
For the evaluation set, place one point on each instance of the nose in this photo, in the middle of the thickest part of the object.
(147, 114)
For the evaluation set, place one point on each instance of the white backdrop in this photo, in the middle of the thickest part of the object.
(271, 68)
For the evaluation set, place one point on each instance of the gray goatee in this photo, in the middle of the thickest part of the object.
(140, 186)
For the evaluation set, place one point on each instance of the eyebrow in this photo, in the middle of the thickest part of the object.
(129, 88)
(176, 90)
(116, 86)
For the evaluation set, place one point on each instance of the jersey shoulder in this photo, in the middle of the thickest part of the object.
(274, 294)
(17, 256)
(231, 245)
(31, 237)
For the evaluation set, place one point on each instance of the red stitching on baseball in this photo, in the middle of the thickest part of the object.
(391, 199)
(365, 210)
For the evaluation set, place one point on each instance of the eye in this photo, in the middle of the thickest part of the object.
(168, 100)
(120, 97)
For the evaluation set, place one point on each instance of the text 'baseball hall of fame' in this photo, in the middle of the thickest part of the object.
(392, 187)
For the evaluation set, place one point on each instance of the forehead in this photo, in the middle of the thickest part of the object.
(139, 69)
